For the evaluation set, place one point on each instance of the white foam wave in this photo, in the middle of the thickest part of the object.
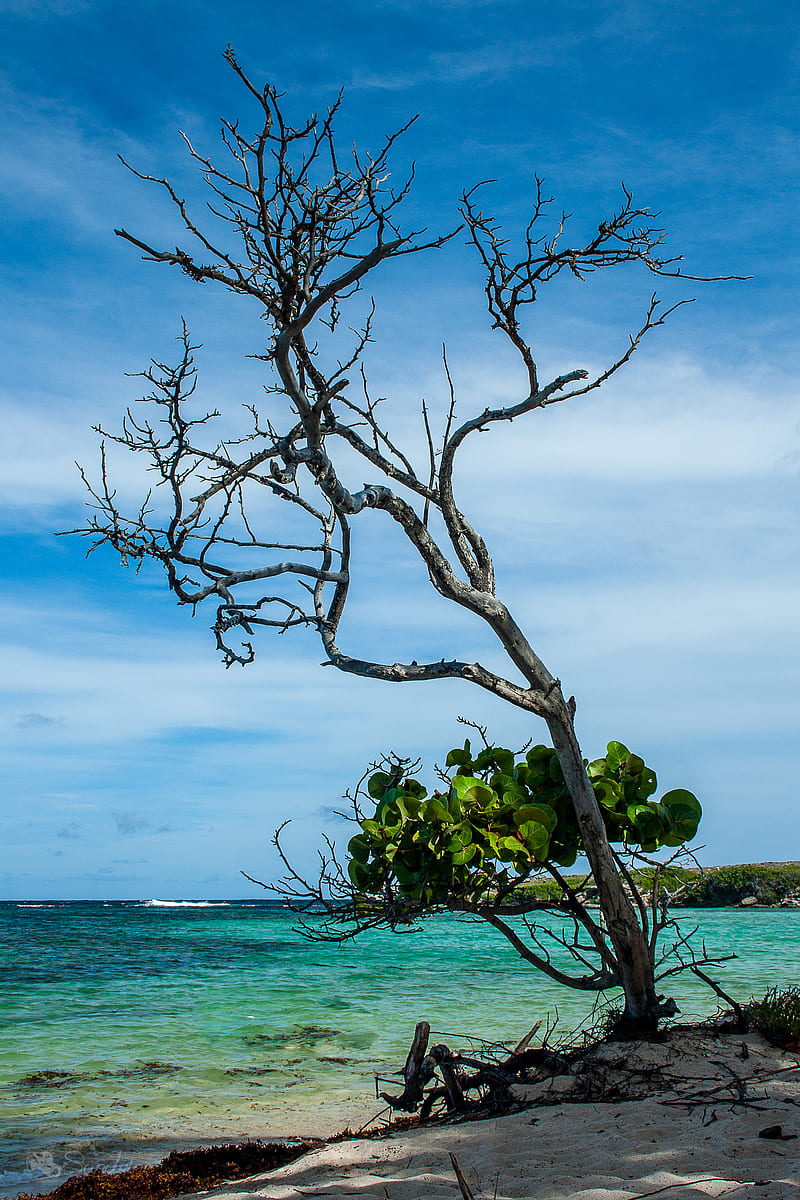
(13, 1178)
(185, 904)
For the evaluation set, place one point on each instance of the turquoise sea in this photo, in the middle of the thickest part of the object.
(128, 1028)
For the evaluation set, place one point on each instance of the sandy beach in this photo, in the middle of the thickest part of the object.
(701, 1102)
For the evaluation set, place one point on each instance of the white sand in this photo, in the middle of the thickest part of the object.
(666, 1144)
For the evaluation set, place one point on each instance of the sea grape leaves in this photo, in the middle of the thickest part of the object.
(500, 810)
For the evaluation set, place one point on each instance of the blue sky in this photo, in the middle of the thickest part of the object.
(646, 538)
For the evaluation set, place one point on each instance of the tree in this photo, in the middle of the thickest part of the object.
(492, 840)
(299, 228)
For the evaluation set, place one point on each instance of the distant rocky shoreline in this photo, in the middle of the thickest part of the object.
(743, 885)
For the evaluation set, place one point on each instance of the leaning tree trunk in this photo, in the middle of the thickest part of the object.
(628, 939)
(627, 936)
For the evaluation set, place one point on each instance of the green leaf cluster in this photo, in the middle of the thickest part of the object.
(623, 785)
(501, 817)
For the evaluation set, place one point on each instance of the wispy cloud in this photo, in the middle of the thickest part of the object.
(130, 823)
(70, 833)
(34, 720)
(481, 65)
(51, 161)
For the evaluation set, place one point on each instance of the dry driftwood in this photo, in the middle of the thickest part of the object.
(461, 1073)
(456, 1083)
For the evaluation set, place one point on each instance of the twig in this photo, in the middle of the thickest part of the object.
(466, 1191)
(668, 1187)
(523, 1044)
(715, 987)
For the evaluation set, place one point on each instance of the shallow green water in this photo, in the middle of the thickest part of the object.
(167, 1025)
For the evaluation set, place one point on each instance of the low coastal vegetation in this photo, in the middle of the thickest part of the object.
(742, 885)
(777, 1017)
(762, 883)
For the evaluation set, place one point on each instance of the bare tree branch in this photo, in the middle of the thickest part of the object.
(298, 226)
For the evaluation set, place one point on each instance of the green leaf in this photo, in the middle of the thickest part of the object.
(387, 806)
(494, 756)
(675, 838)
(473, 791)
(538, 754)
(556, 774)
(647, 783)
(541, 813)
(508, 849)
(462, 836)
(679, 798)
(492, 841)
(404, 877)
(534, 835)
(360, 877)
(459, 758)
(645, 820)
(607, 791)
(504, 760)
(464, 855)
(414, 788)
(433, 810)
(634, 765)
(454, 804)
(539, 775)
(359, 848)
(515, 794)
(685, 812)
(387, 811)
(616, 754)
(409, 806)
(378, 783)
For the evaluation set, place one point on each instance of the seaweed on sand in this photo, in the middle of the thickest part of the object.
(181, 1171)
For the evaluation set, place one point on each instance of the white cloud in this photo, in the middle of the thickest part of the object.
(484, 64)
(664, 419)
(37, 468)
(623, 521)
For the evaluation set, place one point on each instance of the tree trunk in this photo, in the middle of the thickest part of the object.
(626, 934)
